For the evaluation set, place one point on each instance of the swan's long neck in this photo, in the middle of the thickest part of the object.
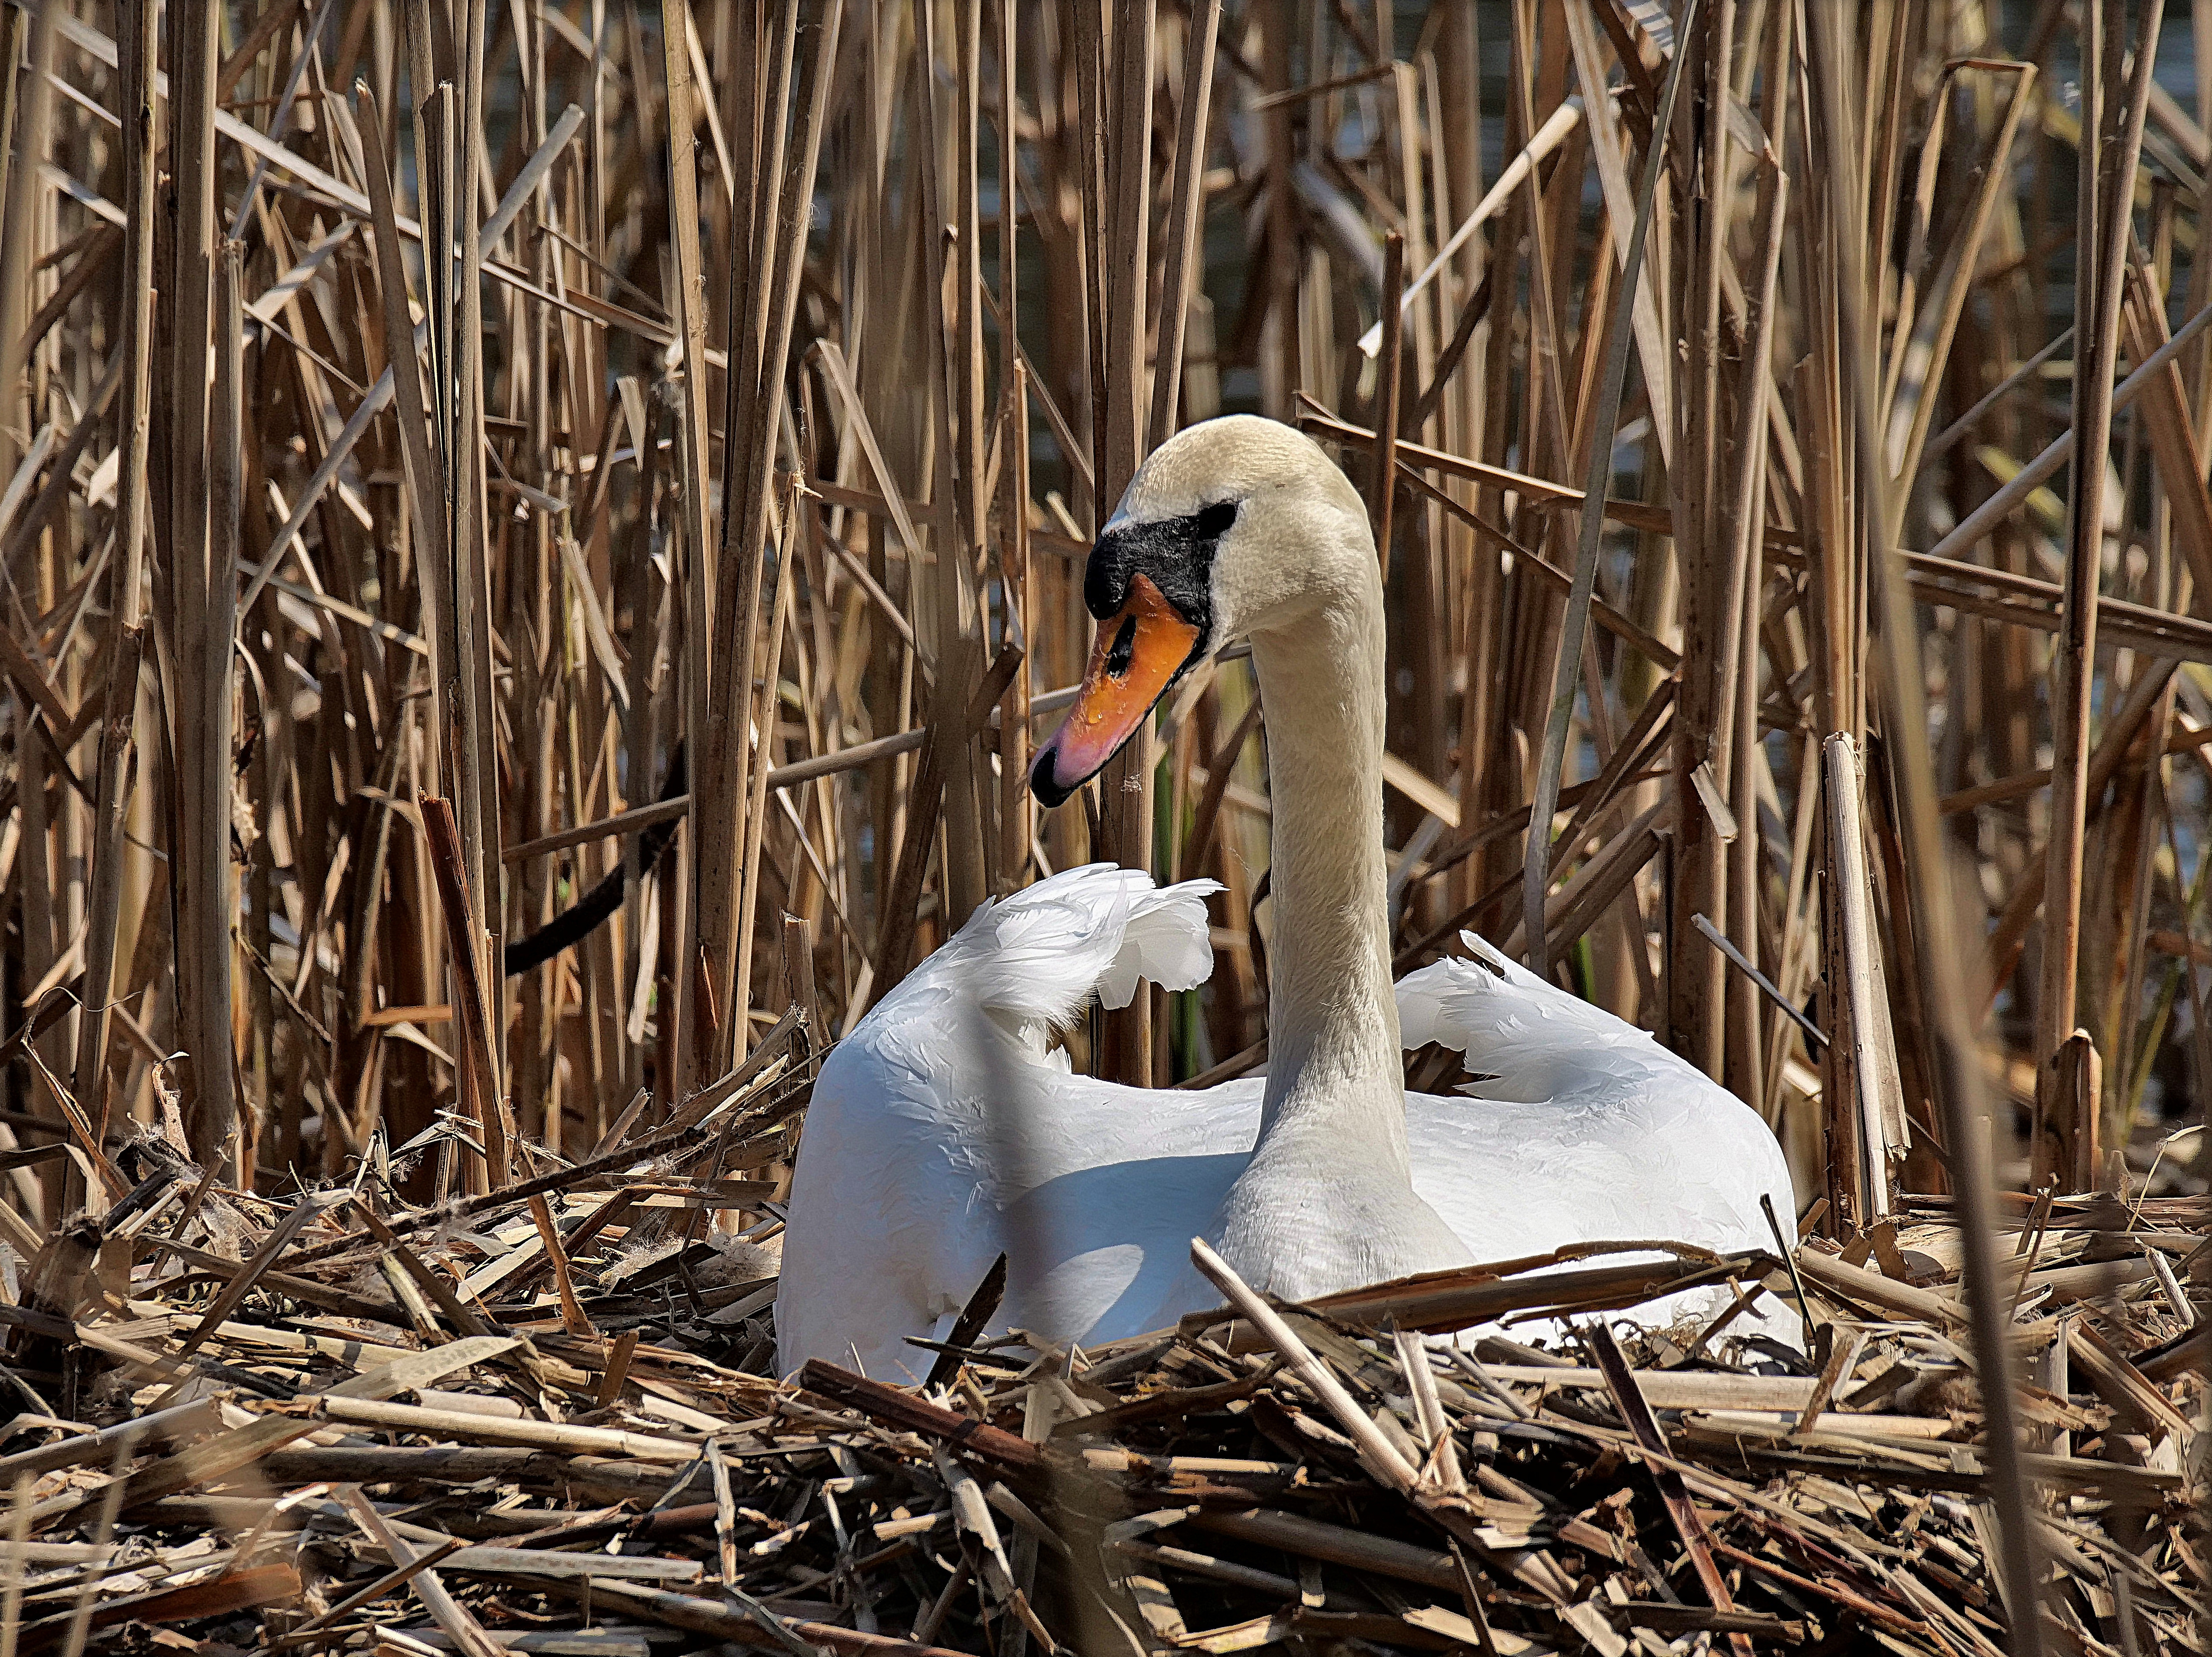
(1334, 1072)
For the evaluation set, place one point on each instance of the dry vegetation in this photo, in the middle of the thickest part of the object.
(717, 548)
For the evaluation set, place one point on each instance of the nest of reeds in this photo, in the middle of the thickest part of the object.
(544, 1419)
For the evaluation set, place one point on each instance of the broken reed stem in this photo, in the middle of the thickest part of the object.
(479, 1085)
(2105, 224)
(1380, 1456)
(1383, 476)
(1860, 1118)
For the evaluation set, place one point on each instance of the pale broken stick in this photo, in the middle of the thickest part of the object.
(448, 1612)
(1549, 136)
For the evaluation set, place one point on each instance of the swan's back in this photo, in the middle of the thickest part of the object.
(1579, 1127)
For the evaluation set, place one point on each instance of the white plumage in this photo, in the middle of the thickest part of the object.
(1587, 1128)
(943, 1130)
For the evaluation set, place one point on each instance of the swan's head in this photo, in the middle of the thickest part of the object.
(1234, 525)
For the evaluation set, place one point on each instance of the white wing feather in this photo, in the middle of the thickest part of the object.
(943, 1129)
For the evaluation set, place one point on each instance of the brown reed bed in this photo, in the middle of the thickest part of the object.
(714, 561)
(524, 1424)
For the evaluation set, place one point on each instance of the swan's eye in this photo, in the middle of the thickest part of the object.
(1214, 521)
(1124, 649)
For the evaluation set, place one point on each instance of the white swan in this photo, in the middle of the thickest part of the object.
(943, 1130)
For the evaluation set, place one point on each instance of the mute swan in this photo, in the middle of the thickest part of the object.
(943, 1130)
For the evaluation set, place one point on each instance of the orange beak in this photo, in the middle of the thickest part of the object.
(1138, 651)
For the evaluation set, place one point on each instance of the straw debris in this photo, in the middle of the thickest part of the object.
(565, 1440)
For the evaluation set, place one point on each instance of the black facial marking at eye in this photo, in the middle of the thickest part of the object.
(1176, 554)
(1124, 649)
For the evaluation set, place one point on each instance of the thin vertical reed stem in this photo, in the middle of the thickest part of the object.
(2107, 217)
(475, 738)
(1958, 1074)
(1016, 592)
(1383, 475)
(1125, 785)
(1574, 622)
(126, 597)
(1696, 984)
(710, 909)
(24, 187)
(1186, 215)
(203, 593)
